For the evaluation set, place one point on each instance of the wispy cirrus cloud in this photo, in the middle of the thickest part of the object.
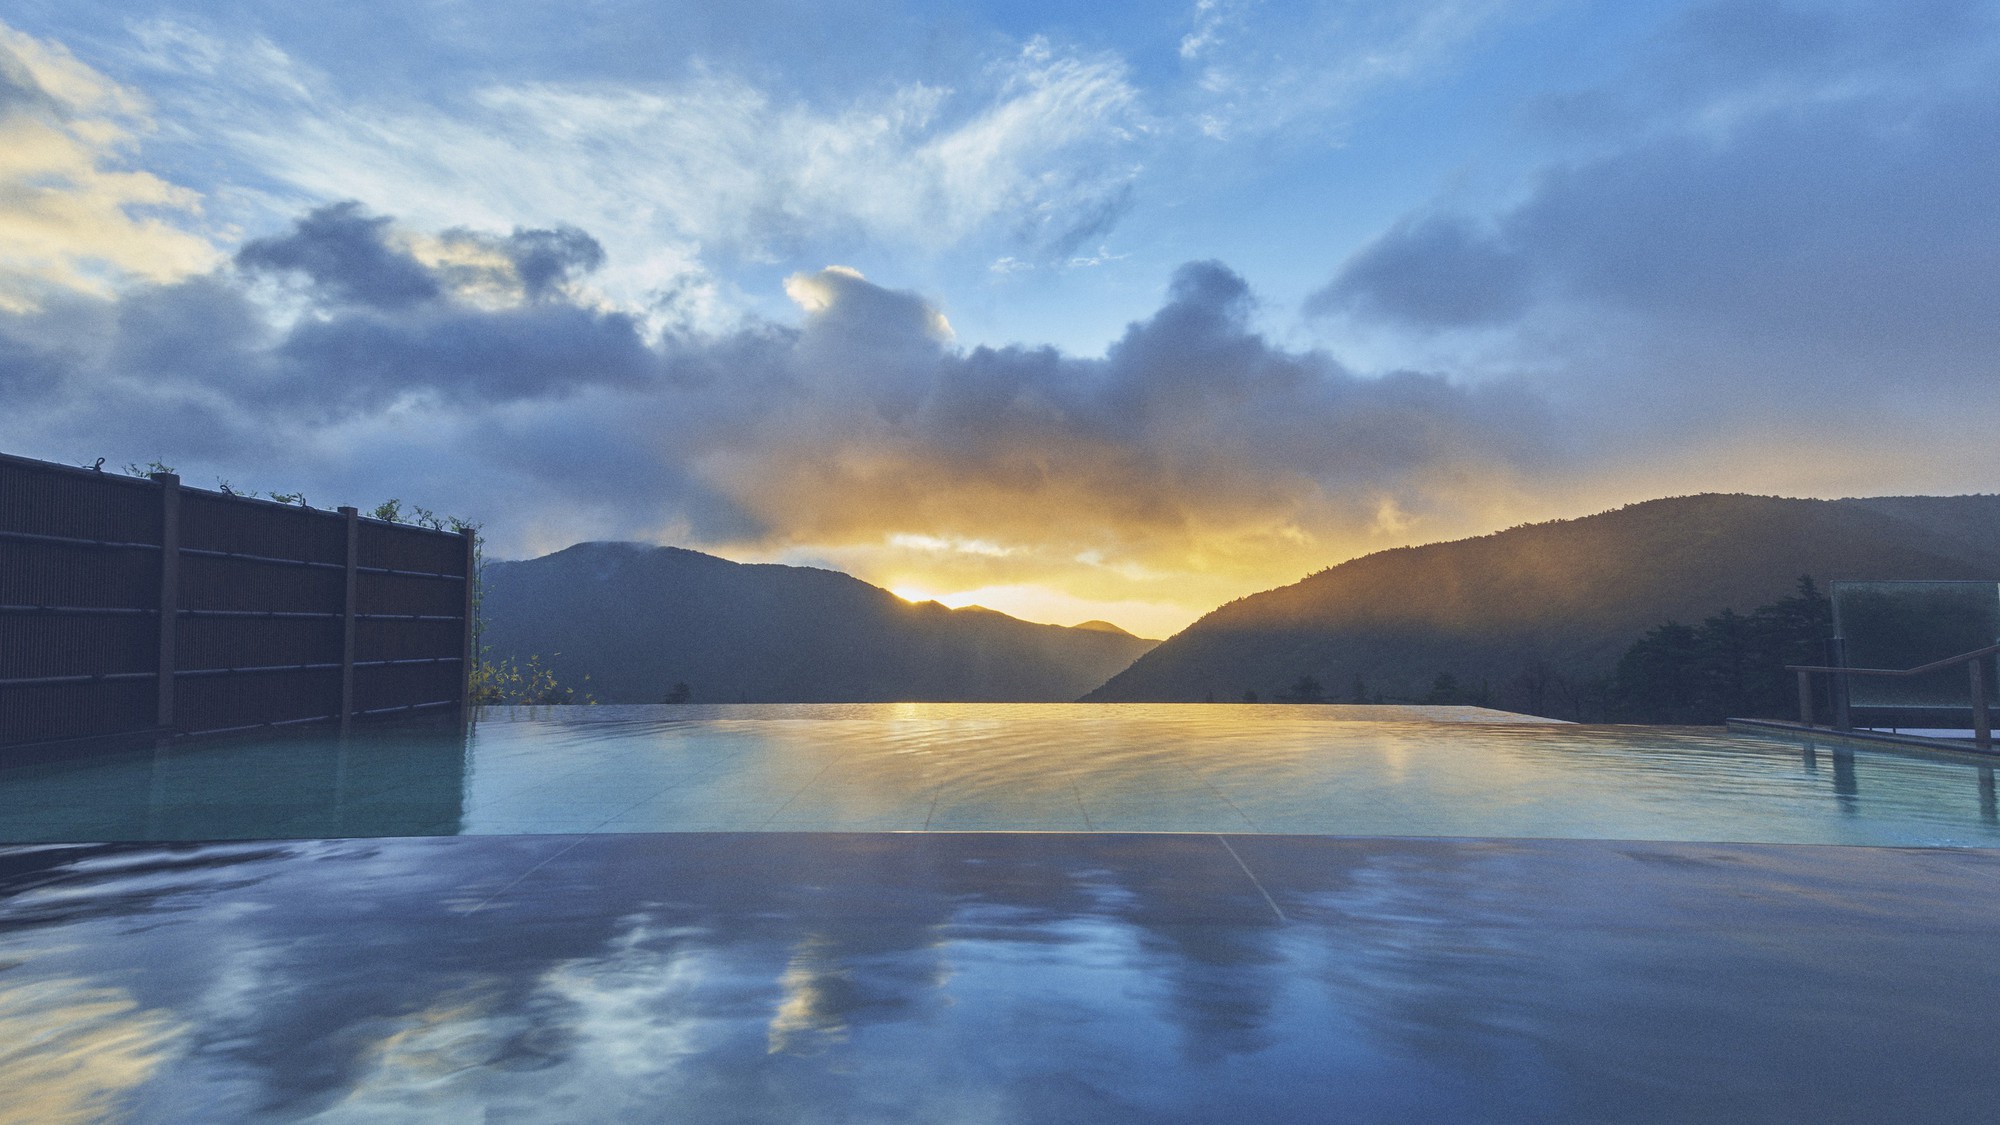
(1260, 69)
(680, 174)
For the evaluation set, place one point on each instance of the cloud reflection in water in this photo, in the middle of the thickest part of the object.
(800, 976)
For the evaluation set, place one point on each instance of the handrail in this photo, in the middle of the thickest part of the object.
(1933, 666)
(1982, 726)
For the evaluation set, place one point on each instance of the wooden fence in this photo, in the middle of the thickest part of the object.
(136, 606)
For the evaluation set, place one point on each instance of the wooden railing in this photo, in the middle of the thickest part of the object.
(1982, 725)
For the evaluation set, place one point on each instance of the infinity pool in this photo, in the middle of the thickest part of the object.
(1000, 914)
(1066, 768)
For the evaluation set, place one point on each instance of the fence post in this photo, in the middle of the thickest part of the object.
(1836, 656)
(170, 593)
(1805, 699)
(352, 518)
(1982, 726)
(467, 656)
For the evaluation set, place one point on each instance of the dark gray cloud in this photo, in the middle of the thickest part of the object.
(481, 381)
(540, 261)
(1870, 236)
(619, 466)
(1191, 420)
(387, 326)
(1432, 271)
(1876, 226)
(201, 332)
(344, 253)
(27, 372)
(1814, 213)
(361, 362)
(544, 259)
(1196, 353)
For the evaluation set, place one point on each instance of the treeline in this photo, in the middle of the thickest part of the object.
(1730, 665)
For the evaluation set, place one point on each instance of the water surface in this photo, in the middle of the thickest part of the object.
(996, 977)
(1069, 768)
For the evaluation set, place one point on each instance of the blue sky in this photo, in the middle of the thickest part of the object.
(1073, 311)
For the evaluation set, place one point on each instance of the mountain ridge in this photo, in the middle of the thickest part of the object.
(638, 620)
(1565, 596)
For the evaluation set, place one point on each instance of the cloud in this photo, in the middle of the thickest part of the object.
(1431, 271)
(340, 249)
(351, 352)
(1303, 70)
(372, 329)
(705, 168)
(70, 218)
(457, 355)
(546, 259)
(1794, 208)
(1777, 212)
(1194, 445)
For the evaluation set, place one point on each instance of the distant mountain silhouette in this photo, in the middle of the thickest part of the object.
(639, 620)
(1566, 597)
(1101, 627)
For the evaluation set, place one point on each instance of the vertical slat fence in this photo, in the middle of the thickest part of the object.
(136, 606)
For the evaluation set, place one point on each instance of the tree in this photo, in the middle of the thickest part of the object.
(1791, 630)
(1534, 687)
(1729, 665)
(1305, 689)
(1722, 665)
(1656, 677)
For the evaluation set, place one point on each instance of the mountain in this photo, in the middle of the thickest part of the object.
(1101, 627)
(640, 619)
(1564, 598)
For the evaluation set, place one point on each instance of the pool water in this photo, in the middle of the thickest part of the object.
(922, 913)
(1065, 768)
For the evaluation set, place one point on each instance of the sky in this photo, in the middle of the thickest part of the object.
(1077, 312)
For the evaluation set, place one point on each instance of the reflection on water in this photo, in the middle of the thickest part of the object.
(71, 1051)
(918, 767)
(1003, 977)
(1846, 789)
(297, 786)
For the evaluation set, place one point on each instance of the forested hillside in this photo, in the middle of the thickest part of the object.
(1537, 617)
